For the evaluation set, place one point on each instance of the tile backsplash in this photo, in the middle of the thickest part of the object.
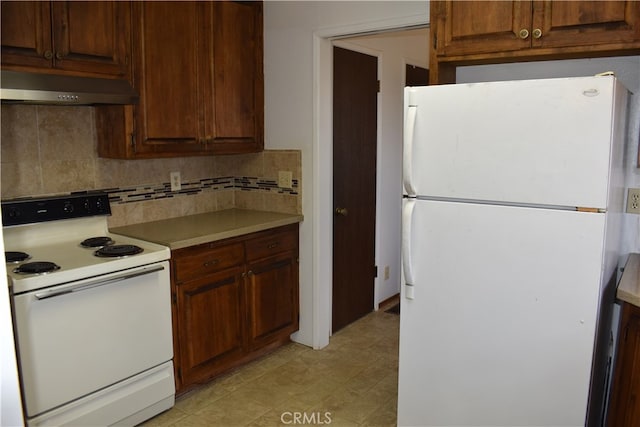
(47, 150)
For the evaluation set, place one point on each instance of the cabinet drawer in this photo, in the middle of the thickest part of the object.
(263, 247)
(200, 261)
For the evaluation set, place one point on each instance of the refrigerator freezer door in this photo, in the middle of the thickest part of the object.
(506, 337)
(526, 142)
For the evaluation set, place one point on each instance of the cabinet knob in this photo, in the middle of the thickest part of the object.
(524, 33)
(537, 33)
(58, 55)
(342, 211)
(211, 263)
(48, 54)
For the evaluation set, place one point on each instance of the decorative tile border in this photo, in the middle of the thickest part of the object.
(163, 190)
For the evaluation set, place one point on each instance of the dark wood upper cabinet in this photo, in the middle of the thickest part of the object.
(198, 68)
(238, 81)
(585, 23)
(67, 37)
(464, 32)
(490, 32)
(170, 74)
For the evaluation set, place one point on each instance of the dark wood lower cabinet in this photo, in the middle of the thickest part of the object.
(209, 323)
(233, 301)
(272, 296)
(624, 407)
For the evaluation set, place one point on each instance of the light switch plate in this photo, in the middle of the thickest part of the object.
(285, 179)
(633, 201)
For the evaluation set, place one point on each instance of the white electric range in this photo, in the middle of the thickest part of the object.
(92, 314)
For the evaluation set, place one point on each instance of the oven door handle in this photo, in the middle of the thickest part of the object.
(98, 282)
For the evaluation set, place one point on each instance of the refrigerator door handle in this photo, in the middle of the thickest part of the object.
(407, 216)
(407, 157)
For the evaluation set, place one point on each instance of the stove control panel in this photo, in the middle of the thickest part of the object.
(34, 210)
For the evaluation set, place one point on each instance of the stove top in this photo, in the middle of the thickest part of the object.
(14, 257)
(97, 242)
(115, 251)
(43, 252)
(37, 267)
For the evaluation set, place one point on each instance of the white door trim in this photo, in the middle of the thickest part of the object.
(323, 163)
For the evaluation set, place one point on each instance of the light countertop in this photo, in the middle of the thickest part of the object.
(193, 230)
(629, 287)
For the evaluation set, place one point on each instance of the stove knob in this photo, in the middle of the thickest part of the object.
(68, 207)
(14, 213)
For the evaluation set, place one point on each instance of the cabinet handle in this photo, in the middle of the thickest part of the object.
(58, 55)
(537, 33)
(48, 54)
(272, 245)
(211, 263)
(524, 33)
(342, 211)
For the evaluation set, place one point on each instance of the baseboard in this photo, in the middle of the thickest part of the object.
(389, 302)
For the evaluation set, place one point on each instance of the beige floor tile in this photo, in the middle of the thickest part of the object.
(351, 382)
(230, 411)
(167, 418)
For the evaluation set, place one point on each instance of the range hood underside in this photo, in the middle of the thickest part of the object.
(34, 88)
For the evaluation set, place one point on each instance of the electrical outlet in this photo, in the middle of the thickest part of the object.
(633, 201)
(285, 179)
(176, 182)
(386, 272)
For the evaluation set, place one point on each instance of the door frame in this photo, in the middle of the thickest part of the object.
(322, 232)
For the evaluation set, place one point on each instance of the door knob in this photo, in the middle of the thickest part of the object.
(342, 211)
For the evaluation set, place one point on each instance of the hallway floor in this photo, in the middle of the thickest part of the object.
(351, 382)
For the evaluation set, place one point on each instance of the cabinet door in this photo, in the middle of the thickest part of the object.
(86, 37)
(237, 125)
(170, 74)
(624, 407)
(470, 27)
(92, 36)
(272, 299)
(585, 23)
(209, 312)
(26, 34)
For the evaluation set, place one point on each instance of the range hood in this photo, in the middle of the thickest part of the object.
(34, 88)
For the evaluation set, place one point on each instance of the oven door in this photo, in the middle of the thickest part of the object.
(78, 338)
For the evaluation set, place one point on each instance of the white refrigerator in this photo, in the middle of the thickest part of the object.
(511, 226)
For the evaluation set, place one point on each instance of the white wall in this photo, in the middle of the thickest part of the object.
(627, 69)
(297, 75)
(394, 50)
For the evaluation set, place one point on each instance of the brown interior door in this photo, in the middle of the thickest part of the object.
(416, 76)
(355, 89)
